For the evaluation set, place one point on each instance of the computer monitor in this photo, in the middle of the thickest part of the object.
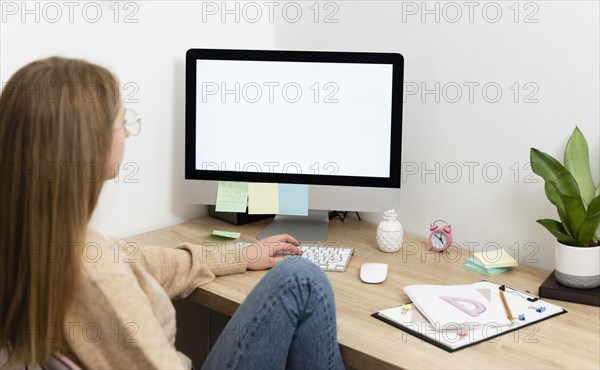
(330, 120)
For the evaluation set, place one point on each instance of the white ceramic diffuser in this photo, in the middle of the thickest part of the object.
(389, 232)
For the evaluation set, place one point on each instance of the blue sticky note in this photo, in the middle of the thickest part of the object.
(293, 199)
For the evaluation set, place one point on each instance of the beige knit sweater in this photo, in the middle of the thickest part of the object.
(121, 315)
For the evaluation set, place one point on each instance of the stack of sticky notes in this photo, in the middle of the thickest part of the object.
(491, 263)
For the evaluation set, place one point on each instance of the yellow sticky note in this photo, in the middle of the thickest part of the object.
(495, 258)
(263, 198)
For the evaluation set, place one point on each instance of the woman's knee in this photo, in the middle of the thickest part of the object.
(300, 269)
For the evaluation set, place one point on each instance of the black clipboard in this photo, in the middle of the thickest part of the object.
(440, 344)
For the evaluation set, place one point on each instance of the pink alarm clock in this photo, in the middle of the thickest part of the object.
(440, 239)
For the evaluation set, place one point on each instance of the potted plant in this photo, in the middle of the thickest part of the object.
(571, 189)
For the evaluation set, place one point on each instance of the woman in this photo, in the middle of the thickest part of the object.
(67, 290)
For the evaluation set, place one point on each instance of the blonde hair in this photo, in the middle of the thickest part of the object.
(56, 120)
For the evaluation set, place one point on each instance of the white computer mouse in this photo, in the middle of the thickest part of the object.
(373, 273)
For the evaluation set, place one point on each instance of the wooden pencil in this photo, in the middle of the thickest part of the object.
(510, 316)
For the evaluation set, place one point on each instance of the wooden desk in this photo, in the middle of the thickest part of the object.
(567, 341)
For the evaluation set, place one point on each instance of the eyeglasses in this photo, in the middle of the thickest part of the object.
(132, 123)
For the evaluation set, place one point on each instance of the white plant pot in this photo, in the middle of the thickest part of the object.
(577, 267)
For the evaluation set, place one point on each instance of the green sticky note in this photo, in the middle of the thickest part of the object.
(226, 234)
(232, 196)
(263, 198)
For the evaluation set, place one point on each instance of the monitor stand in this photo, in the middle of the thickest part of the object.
(311, 228)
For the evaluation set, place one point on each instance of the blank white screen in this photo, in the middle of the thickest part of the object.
(294, 117)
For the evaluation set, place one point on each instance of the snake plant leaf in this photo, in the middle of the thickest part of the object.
(553, 171)
(597, 190)
(559, 232)
(577, 162)
(588, 231)
(574, 213)
(555, 199)
(559, 181)
(594, 206)
(589, 226)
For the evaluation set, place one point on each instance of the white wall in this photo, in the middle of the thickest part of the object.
(453, 148)
(149, 58)
(558, 56)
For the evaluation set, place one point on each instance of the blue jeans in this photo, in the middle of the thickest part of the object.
(286, 322)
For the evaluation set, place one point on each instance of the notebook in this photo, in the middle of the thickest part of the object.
(476, 314)
(464, 306)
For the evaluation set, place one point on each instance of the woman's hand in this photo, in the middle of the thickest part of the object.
(262, 254)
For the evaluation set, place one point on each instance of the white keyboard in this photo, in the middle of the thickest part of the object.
(329, 258)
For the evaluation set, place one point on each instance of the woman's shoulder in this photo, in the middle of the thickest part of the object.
(102, 255)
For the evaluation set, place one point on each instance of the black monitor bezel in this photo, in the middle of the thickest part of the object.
(397, 60)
